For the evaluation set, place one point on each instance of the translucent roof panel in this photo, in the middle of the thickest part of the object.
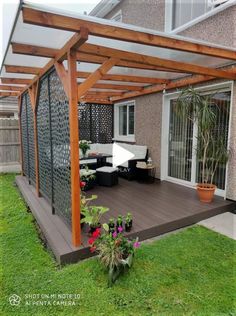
(54, 38)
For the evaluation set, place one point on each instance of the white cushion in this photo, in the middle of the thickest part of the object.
(106, 169)
(87, 161)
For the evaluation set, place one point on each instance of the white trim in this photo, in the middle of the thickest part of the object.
(203, 17)
(229, 136)
(117, 136)
(168, 15)
(118, 13)
(223, 86)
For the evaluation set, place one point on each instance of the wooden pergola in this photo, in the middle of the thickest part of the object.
(111, 74)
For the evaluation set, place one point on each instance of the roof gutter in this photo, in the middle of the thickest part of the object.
(11, 34)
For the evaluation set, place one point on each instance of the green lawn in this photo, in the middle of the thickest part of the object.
(188, 273)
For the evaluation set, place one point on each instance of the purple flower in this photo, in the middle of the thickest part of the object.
(136, 244)
(120, 229)
(114, 235)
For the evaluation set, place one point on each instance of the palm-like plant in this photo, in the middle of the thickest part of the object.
(201, 109)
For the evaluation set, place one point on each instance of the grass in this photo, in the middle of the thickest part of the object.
(188, 273)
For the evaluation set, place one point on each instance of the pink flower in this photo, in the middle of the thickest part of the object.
(114, 235)
(96, 233)
(136, 244)
(120, 229)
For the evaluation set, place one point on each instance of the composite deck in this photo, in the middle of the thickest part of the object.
(157, 208)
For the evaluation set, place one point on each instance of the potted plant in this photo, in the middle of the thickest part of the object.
(119, 222)
(128, 222)
(114, 250)
(88, 177)
(111, 225)
(84, 145)
(84, 202)
(92, 215)
(211, 151)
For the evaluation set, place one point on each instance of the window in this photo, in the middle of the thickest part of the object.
(117, 17)
(184, 11)
(125, 120)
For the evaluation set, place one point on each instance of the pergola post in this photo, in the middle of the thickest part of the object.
(33, 93)
(20, 133)
(74, 147)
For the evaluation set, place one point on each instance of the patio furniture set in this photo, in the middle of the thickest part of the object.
(97, 164)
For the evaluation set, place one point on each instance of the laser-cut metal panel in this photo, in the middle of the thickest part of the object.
(44, 142)
(96, 122)
(60, 148)
(24, 136)
(31, 147)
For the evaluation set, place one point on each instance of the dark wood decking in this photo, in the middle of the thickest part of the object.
(157, 208)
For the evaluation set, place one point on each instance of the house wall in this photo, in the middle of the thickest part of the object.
(144, 13)
(220, 29)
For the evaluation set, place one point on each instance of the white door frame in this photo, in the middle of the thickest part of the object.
(167, 97)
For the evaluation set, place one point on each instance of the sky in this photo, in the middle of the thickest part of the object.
(8, 9)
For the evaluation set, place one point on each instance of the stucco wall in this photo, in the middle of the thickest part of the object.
(148, 126)
(144, 13)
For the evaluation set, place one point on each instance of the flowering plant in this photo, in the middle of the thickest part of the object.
(114, 250)
(84, 145)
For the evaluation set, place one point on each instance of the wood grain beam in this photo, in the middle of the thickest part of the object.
(158, 88)
(22, 69)
(63, 75)
(125, 78)
(8, 94)
(15, 81)
(74, 148)
(95, 76)
(32, 50)
(155, 61)
(10, 88)
(95, 100)
(117, 87)
(47, 19)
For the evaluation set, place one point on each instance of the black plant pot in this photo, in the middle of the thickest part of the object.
(128, 226)
(111, 228)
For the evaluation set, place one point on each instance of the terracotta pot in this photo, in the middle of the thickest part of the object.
(206, 192)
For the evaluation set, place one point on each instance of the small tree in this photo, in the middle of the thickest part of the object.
(200, 109)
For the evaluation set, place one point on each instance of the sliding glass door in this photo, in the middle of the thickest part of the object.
(183, 165)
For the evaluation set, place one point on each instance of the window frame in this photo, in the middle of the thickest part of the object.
(117, 136)
(118, 13)
(169, 6)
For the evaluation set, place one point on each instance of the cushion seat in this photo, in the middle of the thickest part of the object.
(107, 176)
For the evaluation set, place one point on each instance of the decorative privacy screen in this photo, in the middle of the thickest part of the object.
(27, 130)
(96, 122)
(53, 144)
(52, 112)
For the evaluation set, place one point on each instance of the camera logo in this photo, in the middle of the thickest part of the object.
(14, 300)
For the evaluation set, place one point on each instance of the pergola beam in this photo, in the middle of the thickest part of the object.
(15, 81)
(32, 50)
(96, 75)
(117, 87)
(126, 78)
(22, 69)
(95, 100)
(47, 19)
(9, 94)
(158, 88)
(10, 88)
(155, 61)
